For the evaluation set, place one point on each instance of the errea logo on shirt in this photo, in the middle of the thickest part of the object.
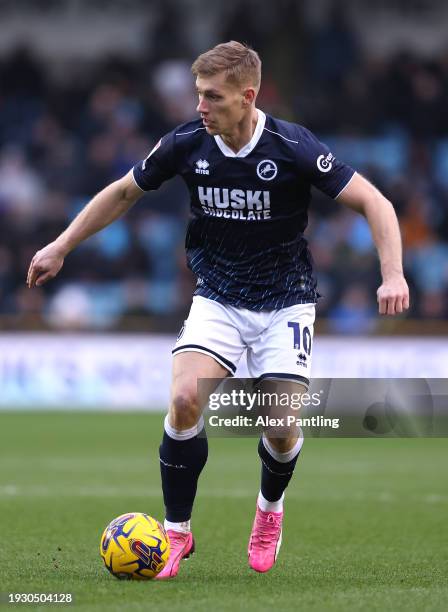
(202, 166)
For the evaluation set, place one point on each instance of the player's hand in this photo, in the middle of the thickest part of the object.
(45, 264)
(393, 295)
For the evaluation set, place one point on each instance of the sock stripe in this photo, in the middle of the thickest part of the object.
(185, 434)
(273, 472)
(284, 457)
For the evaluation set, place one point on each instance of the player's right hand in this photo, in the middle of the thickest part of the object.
(45, 264)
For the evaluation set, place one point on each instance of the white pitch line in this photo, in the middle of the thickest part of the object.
(79, 463)
(102, 491)
(12, 490)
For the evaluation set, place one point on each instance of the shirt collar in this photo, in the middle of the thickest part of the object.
(227, 151)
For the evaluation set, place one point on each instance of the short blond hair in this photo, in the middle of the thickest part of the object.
(241, 64)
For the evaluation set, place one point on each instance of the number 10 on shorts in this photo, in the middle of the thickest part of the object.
(301, 338)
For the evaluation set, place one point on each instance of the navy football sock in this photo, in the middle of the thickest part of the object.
(181, 462)
(275, 474)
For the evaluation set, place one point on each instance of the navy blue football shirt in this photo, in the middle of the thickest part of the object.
(249, 209)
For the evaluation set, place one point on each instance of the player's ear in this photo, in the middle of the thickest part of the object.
(248, 96)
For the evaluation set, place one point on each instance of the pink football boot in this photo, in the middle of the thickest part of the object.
(265, 540)
(182, 546)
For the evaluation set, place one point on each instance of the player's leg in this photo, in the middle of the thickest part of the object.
(278, 456)
(284, 355)
(279, 453)
(209, 346)
(183, 452)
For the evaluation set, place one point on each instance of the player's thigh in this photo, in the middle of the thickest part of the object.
(284, 429)
(280, 400)
(185, 406)
(188, 368)
(209, 346)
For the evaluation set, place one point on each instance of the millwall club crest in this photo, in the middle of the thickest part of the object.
(267, 170)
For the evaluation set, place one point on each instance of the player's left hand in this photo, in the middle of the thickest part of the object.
(393, 295)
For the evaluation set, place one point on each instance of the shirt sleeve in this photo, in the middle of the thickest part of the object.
(320, 166)
(158, 166)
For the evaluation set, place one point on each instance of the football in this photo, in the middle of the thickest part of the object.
(134, 546)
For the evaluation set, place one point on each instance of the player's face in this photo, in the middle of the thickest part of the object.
(222, 105)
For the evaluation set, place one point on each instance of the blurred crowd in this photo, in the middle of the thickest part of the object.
(62, 140)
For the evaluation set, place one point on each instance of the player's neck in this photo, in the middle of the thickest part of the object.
(243, 132)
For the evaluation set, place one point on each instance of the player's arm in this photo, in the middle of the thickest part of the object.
(361, 196)
(109, 204)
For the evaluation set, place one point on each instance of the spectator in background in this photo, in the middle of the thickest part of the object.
(334, 51)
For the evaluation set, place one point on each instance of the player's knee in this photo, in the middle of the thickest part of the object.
(283, 445)
(184, 409)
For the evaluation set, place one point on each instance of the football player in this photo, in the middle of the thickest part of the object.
(249, 175)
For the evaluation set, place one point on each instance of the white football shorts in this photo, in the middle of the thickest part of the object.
(279, 342)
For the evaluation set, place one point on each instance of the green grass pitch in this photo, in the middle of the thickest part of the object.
(365, 524)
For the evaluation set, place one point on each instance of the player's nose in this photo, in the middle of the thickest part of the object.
(202, 107)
